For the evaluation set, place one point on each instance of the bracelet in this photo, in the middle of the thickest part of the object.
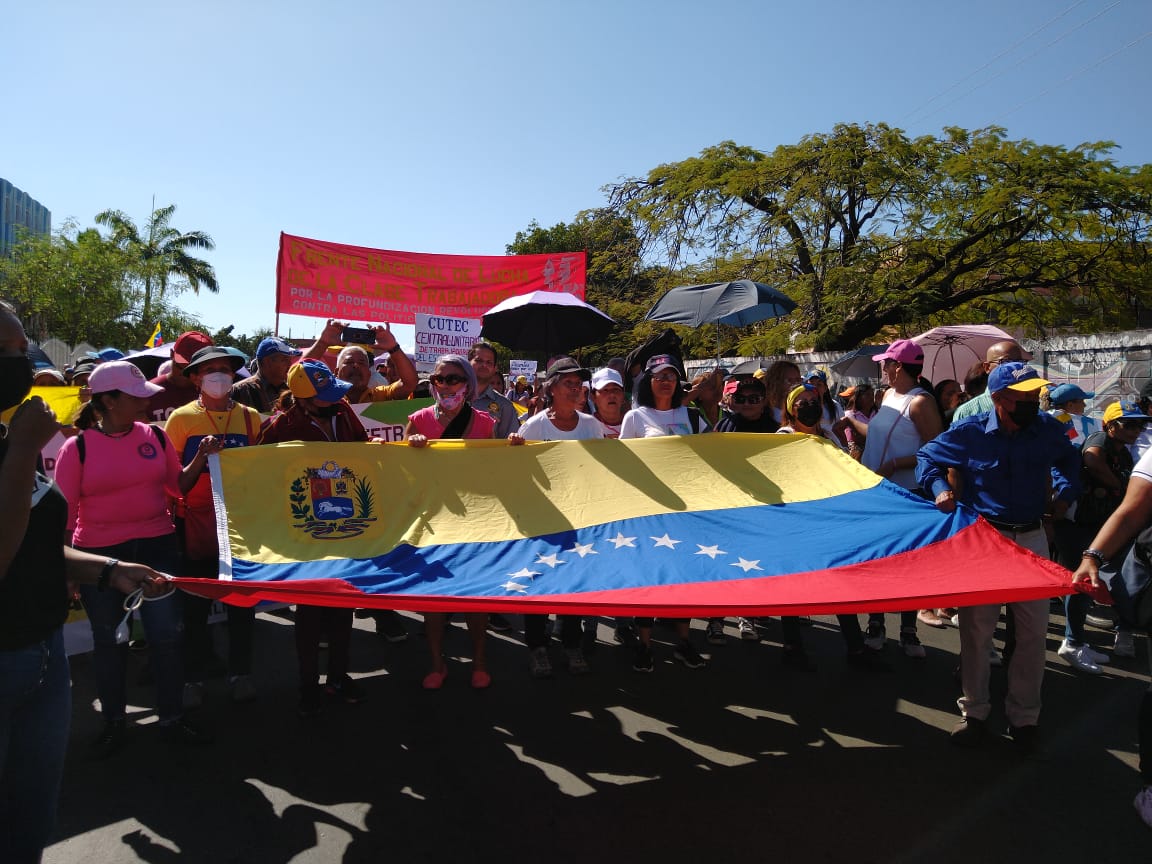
(106, 574)
(396, 349)
(1095, 554)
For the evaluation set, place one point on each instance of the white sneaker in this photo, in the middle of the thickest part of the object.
(1125, 644)
(1143, 805)
(747, 628)
(1075, 656)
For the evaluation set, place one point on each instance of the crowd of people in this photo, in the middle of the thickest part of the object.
(133, 499)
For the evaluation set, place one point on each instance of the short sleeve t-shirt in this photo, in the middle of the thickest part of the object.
(1143, 468)
(190, 424)
(539, 428)
(646, 422)
(120, 491)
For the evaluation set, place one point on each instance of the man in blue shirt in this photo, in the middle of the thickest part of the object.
(1013, 465)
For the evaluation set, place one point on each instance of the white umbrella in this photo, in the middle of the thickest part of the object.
(949, 352)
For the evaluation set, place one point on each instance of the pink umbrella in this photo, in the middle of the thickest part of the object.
(949, 352)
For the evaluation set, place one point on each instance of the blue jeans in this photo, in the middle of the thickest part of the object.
(163, 621)
(35, 712)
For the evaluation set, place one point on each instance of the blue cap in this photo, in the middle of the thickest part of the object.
(310, 378)
(1015, 376)
(1062, 393)
(275, 345)
(816, 373)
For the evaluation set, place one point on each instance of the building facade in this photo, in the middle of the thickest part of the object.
(20, 210)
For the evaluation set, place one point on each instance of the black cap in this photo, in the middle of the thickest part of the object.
(566, 366)
(213, 353)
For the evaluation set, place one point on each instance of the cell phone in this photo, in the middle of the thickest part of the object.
(358, 335)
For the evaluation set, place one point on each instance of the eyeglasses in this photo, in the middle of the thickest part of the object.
(447, 380)
(666, 377)
(747, 400)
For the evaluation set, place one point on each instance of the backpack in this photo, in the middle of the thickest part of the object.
(1129, 581)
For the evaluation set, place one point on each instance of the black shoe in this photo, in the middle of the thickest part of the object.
(687, 654)
(797, 658)
(498, 623)
(969, 732)
(1027, 742)
(642, 658)
(312, 701)
(868, 660)
(390, 626)
(183, 734)
(344, 690)
(110, 740)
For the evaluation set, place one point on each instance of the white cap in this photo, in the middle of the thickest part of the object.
(603, 377)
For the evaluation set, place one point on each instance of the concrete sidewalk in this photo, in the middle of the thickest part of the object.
(744, 760)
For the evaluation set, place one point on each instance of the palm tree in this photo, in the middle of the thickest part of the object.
(161, 254)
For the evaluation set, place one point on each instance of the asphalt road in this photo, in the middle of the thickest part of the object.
(745, 760)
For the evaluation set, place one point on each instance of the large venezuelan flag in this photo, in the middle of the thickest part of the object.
(695, 525)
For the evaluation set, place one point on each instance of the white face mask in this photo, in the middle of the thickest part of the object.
(216, 384)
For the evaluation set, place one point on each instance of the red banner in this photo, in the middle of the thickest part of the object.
(354, 283)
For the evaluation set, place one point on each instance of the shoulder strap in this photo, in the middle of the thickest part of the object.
(248, 425)
(161, 437)
(694, 419)
(80, 446)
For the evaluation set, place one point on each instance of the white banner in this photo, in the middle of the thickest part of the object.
(438, 334)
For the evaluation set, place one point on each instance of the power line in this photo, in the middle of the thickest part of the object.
(1075, 74)
(1022, 60)
(1006, 51)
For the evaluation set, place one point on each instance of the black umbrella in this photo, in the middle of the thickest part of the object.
(548, 321)
(732, 303)
(859, 363)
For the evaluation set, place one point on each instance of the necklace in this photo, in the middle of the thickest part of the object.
(100, 428)
(227, 419)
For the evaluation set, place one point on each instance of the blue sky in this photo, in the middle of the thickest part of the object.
(446, 127)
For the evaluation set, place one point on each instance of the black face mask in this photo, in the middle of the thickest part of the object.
(809, 415)
(16, 375)
(327, 411)
(1024, 413)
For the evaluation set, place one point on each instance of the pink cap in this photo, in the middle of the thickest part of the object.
(123, 376)
(902, 351)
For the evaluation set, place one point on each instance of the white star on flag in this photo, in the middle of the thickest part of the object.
(583, 549)
(551, 560)
(515, 586)
(621, 540)
(748, 565)
(666, 541)
(710, 551)
(524, 573)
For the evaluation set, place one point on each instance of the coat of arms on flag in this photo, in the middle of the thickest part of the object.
(331, 502)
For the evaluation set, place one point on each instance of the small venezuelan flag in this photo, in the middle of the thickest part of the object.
(156, 339)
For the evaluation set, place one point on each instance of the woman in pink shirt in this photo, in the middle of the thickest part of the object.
(453, 384)
(117, 475)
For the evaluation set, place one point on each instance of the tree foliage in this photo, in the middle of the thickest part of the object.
(71, 285)
(870, 230)
(161, 256)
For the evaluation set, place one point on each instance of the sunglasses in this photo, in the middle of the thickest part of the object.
(666, 377)
(1132, 424)
(447, 380)
(801, 403)
(747, 400)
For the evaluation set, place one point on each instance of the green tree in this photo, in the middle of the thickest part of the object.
(161, 255)
(870, 230)
(72, 285)
(617, 282)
